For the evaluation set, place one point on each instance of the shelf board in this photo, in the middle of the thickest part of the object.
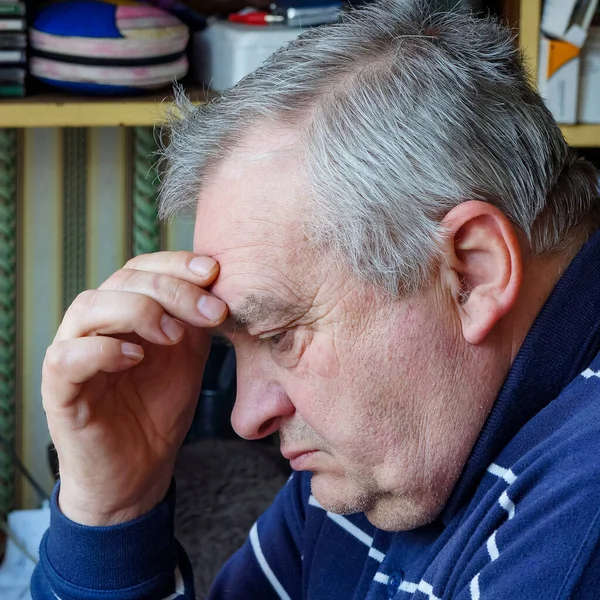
(582, 136)
(63, 110)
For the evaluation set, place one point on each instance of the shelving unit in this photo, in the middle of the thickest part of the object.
(529, 38)
(62, 110)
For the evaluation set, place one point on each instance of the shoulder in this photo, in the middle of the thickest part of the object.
(537, 507)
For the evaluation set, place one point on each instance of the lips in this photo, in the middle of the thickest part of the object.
(299, 459)
(292, 454)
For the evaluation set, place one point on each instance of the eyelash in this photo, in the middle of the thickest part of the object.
(276, 336)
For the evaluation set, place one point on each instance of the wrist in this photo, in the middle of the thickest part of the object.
(82, 509)
(140, 554)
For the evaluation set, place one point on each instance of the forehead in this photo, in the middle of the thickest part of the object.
(252, 192)
(250, 217)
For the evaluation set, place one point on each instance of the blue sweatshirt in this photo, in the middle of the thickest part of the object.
(523, 521)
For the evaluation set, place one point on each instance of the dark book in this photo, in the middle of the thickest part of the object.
(11, 91)
(11, 9)
(12, 75)
(13, 40)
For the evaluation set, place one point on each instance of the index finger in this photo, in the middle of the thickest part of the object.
(194, 268)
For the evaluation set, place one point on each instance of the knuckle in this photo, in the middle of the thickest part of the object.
(84, 301)
(86, 298)
(108, 282)
(132, 262)
(54, 360)
(145, 305)
(176, 292)
(120, 279)
(135, 261)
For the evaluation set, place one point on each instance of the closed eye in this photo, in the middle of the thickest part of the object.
(274, 339)
(281, 341)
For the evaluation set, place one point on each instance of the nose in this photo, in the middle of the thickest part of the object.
(260, 405)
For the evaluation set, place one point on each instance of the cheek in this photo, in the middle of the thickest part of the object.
(320, 360)
(332, 391)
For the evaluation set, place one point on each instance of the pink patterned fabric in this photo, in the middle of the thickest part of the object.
(172, 40)
(142, 77)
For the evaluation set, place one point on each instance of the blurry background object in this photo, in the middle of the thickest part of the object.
(564, 29)
(589, 76)
(13, 41)
(223, 486)
(225, 52)
(217, 396)
(568, 20)
(307, 13)
(103, 47)
(213, 8)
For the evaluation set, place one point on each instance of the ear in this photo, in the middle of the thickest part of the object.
(483, 266)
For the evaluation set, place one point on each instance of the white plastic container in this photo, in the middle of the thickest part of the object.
(225, 52)
(589, 83)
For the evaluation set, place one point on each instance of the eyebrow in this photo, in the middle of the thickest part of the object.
(256, 311)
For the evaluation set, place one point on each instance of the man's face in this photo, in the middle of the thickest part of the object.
(368, 393)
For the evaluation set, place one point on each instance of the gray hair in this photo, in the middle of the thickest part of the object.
(404, 113)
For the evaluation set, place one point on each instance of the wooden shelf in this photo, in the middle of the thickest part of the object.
(63, 110)
(582, 136)
(579, 136)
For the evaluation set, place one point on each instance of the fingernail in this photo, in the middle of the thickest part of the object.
(202, 266)
(171, 328)
(132, 351)
(212, 308)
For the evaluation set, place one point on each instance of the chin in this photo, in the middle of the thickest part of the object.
(390, 513)
(385, 510)
(337, 495)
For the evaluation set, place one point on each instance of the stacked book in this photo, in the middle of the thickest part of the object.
(13, 42)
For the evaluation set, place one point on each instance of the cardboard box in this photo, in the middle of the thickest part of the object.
(558, 78)
(589, 79)
(568, 20)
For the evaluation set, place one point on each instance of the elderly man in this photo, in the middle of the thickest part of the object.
(402, 248)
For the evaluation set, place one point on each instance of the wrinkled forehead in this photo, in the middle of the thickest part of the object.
(255, 191)
(251, 214)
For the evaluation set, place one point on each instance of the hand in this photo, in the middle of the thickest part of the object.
(121, 380)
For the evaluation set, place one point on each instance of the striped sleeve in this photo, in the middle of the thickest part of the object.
(141, 560)
(138, 560)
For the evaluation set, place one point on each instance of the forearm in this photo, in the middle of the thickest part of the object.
(135, 560)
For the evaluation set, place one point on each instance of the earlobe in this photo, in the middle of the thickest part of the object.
(483, 260)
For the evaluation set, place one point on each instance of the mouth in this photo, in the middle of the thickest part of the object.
(299, 459)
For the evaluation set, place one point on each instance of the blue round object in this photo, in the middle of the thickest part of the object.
(107, 46)
(84, 18)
